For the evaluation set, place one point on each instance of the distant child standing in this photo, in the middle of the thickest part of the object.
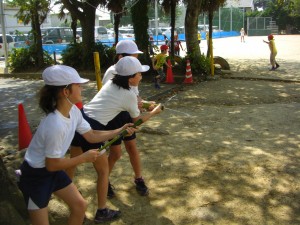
(177, 45)
(273, 52)
(158, 63)
(243, 33)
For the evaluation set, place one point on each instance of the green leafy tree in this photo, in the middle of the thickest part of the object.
(280, 11)
(295, 17)
(85, 12)
(34, 12)
(260, 4)
(296, 7)
(286, 13)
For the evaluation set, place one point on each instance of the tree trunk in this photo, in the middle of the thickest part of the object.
(210, 20)
(173, 18)
(191, 28)
(12, 205)
(117, 20)
(88, 35)
(140, 26)
(86, 16)
(74, 27)
(37, 37)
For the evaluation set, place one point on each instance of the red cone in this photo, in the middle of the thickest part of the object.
(188, 75)
(25, 134)
(169, 78)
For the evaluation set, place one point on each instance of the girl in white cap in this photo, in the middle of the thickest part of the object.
(113, 106)
(42, 172)
(123, 48)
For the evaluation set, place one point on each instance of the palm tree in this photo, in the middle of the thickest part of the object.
(62, 15)
(34, 12)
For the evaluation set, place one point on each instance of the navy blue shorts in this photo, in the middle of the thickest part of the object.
(38, 184)
(120, 120)
(80, 141)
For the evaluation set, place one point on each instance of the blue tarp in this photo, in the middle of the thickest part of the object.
(59, 48)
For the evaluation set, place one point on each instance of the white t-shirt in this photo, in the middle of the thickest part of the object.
(54, 135)
(110, 101)
(110, 73)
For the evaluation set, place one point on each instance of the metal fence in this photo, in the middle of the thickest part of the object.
(226, 19)
(259, 26)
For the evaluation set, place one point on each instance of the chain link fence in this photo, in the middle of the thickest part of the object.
(260, 26)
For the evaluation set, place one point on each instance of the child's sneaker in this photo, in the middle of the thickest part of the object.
(272, 69)
(104, 215)
(277, 65)
(141, 188)
(110, 191)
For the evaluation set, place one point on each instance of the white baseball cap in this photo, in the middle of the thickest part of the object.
(128, 47)
(130, 65)
(60, 75)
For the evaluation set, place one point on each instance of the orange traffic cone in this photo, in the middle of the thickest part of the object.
(79, 105)
(25, 134)
(169, 78)
(188, 73)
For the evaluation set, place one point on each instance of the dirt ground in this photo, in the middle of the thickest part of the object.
(224, 151)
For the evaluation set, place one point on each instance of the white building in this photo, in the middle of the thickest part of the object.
(12, 23)
(247, 5)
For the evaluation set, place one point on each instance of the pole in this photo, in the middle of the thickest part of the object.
(4, 36)
(212, 65)
(219, 19)
(244, 18)
(156, 22)
(97, 70)
(54, 57)
(230, 18)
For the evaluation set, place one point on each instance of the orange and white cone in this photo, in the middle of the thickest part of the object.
(169, 78)
(188, 73)
(24, 132)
